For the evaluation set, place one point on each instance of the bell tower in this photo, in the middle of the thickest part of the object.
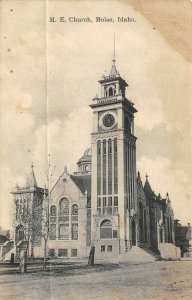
(113, 164)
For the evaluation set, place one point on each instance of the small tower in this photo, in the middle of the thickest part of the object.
(28, 201)
(84, 163)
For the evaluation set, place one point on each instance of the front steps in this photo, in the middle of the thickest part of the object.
(138, 255)
(169, 251)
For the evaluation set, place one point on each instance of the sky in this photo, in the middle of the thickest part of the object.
(49, 76)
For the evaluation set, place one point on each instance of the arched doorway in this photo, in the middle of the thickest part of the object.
(161, 234)
(133, 233)
(106, 229)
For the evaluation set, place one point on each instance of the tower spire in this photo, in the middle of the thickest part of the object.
(114, 51)
(31, 180)
(113, 71)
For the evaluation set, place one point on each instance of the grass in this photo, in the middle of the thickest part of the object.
(65, 269)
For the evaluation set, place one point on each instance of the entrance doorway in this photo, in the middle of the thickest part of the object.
(133, 233)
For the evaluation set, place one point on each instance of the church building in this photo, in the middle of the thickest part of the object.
(104, 203)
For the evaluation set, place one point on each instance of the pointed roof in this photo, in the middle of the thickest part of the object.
(147, 188)
(113, 71)
(31, 180)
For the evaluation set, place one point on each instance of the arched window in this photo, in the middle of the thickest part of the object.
(110, 91)
(106, 229)
(145, 226)
(75, 209)
(99, 167)
(141, 222)
(86, 167)
(104, 167)
(64, 207)
(53, 210)
(109, 166)
(115, 167)
(133, 233)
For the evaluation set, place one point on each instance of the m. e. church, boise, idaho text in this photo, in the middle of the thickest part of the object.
(63, 19)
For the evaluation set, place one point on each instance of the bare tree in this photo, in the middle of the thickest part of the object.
(94, 233)
(46, 210)
(34, 222)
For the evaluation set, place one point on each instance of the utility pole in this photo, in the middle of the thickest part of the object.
(47, 211)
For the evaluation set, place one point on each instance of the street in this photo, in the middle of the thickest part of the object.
(157, 280)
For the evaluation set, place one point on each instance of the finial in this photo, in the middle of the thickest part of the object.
(32, 165)
(138, 174)
(147, 177)
(167, 197)
(114, 51)
(65, 169)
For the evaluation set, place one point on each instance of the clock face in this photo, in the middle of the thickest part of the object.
(108, 120)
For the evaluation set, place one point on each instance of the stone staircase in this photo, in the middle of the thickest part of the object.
(7, 247)
(138, 255)
(169, 251)
(7, 255)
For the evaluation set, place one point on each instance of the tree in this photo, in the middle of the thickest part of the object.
(32, 219)
(46, 211)
(94, 232)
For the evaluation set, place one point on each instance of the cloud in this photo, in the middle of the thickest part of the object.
(165, 177)
(16, 118)
(64, 140)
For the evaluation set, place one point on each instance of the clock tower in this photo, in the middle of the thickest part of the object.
(113, 167)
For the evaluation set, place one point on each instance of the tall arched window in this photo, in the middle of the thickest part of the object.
(133, 233)
(99, 167)
(140, 222)
(53, 210)
(104, 166)
(106, 229)
(75, 209)
(115, 167)
(110, 167)
(64, 207)
(145, 227)
(110, 91)
(74, 222)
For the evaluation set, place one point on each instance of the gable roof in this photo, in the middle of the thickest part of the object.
(147, 189)
(3, 239)
(5, 233)
(84, 184)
